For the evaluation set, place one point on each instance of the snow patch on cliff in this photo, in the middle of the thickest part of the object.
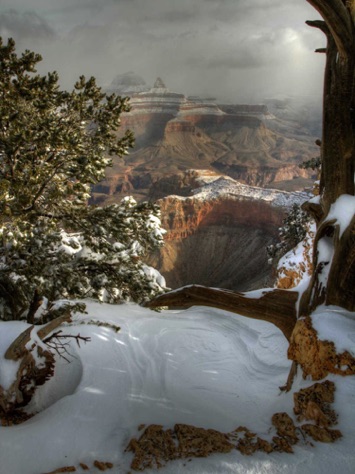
(214, 187)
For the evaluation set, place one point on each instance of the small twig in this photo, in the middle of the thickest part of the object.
(291, 376)
(58, 335)
(54, 342)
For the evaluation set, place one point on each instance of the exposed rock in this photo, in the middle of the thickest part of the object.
(317, 358)
(217, 236)
(260, 111)
(153, 449)
(249, 443)
(157, 446)
(324, 435)
(285, 427)
(174, 133)
(103, 466)
(313, 403)
(62, 469)
(159, 84)
(199, 442)
(282, 445)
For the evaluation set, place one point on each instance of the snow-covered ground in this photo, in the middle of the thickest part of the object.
(202, 366)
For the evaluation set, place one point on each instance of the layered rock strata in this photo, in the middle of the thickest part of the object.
(174, 133)
(217, 236)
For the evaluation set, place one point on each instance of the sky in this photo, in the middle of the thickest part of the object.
(234, 50)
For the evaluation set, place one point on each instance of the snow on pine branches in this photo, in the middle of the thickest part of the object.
(54, 145)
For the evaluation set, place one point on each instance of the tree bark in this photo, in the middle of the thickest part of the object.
(337, 158)
(29, 375)
(274, 306)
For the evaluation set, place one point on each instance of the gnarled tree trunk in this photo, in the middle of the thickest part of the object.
(333, 279)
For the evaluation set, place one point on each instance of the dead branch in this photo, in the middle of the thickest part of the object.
(274, 306)
(17, 349)
(54, 342)
(52, 325)
(36, 302)
(339, 22)
(291, 376)
(58, 335)
(320, 24)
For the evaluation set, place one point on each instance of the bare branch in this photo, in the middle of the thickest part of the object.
(320, 24)
(59, 335)
(274, 306)
(54, 342)
(338, 19)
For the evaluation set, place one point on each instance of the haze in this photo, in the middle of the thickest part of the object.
(235, 50)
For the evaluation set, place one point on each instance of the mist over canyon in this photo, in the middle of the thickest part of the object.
(174, 133)
(209, 166)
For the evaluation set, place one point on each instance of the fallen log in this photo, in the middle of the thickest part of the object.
(274, 305)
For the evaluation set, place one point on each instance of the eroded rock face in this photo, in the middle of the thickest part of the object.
(218, 235)
(220, 243)
(174, 133)
(316, 357)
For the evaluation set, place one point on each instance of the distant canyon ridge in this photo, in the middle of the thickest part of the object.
(207, 164)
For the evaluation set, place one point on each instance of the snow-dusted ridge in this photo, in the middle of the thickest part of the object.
(214, 187)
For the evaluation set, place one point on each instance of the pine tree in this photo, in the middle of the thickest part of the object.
(54, 146)
(292, 231)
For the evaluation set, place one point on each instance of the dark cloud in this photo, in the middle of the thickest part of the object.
(218, 47)
(24, 25)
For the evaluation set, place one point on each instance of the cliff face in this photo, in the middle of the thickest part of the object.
(218, 236)
(174, 133)
(220, 243)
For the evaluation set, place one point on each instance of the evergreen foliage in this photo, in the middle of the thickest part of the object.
(292, 231)
(54, 145)
(313, 164)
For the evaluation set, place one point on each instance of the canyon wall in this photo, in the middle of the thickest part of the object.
(174, 133)
(218, 235)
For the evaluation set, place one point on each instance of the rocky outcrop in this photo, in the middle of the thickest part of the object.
(317, 357)
(218, 235)
(247, 109)
(262, 175)
(174, 133)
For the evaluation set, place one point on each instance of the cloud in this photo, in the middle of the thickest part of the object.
(24, 25)
(232, 48)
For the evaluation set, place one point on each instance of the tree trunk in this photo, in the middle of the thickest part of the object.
(333, 278)
(274, 306)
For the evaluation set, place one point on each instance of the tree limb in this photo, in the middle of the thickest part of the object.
(339, 21)
(320, 24)
(274, 306)
(17, 348)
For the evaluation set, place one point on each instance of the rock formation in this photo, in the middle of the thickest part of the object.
(174, 133)
(217, 234)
